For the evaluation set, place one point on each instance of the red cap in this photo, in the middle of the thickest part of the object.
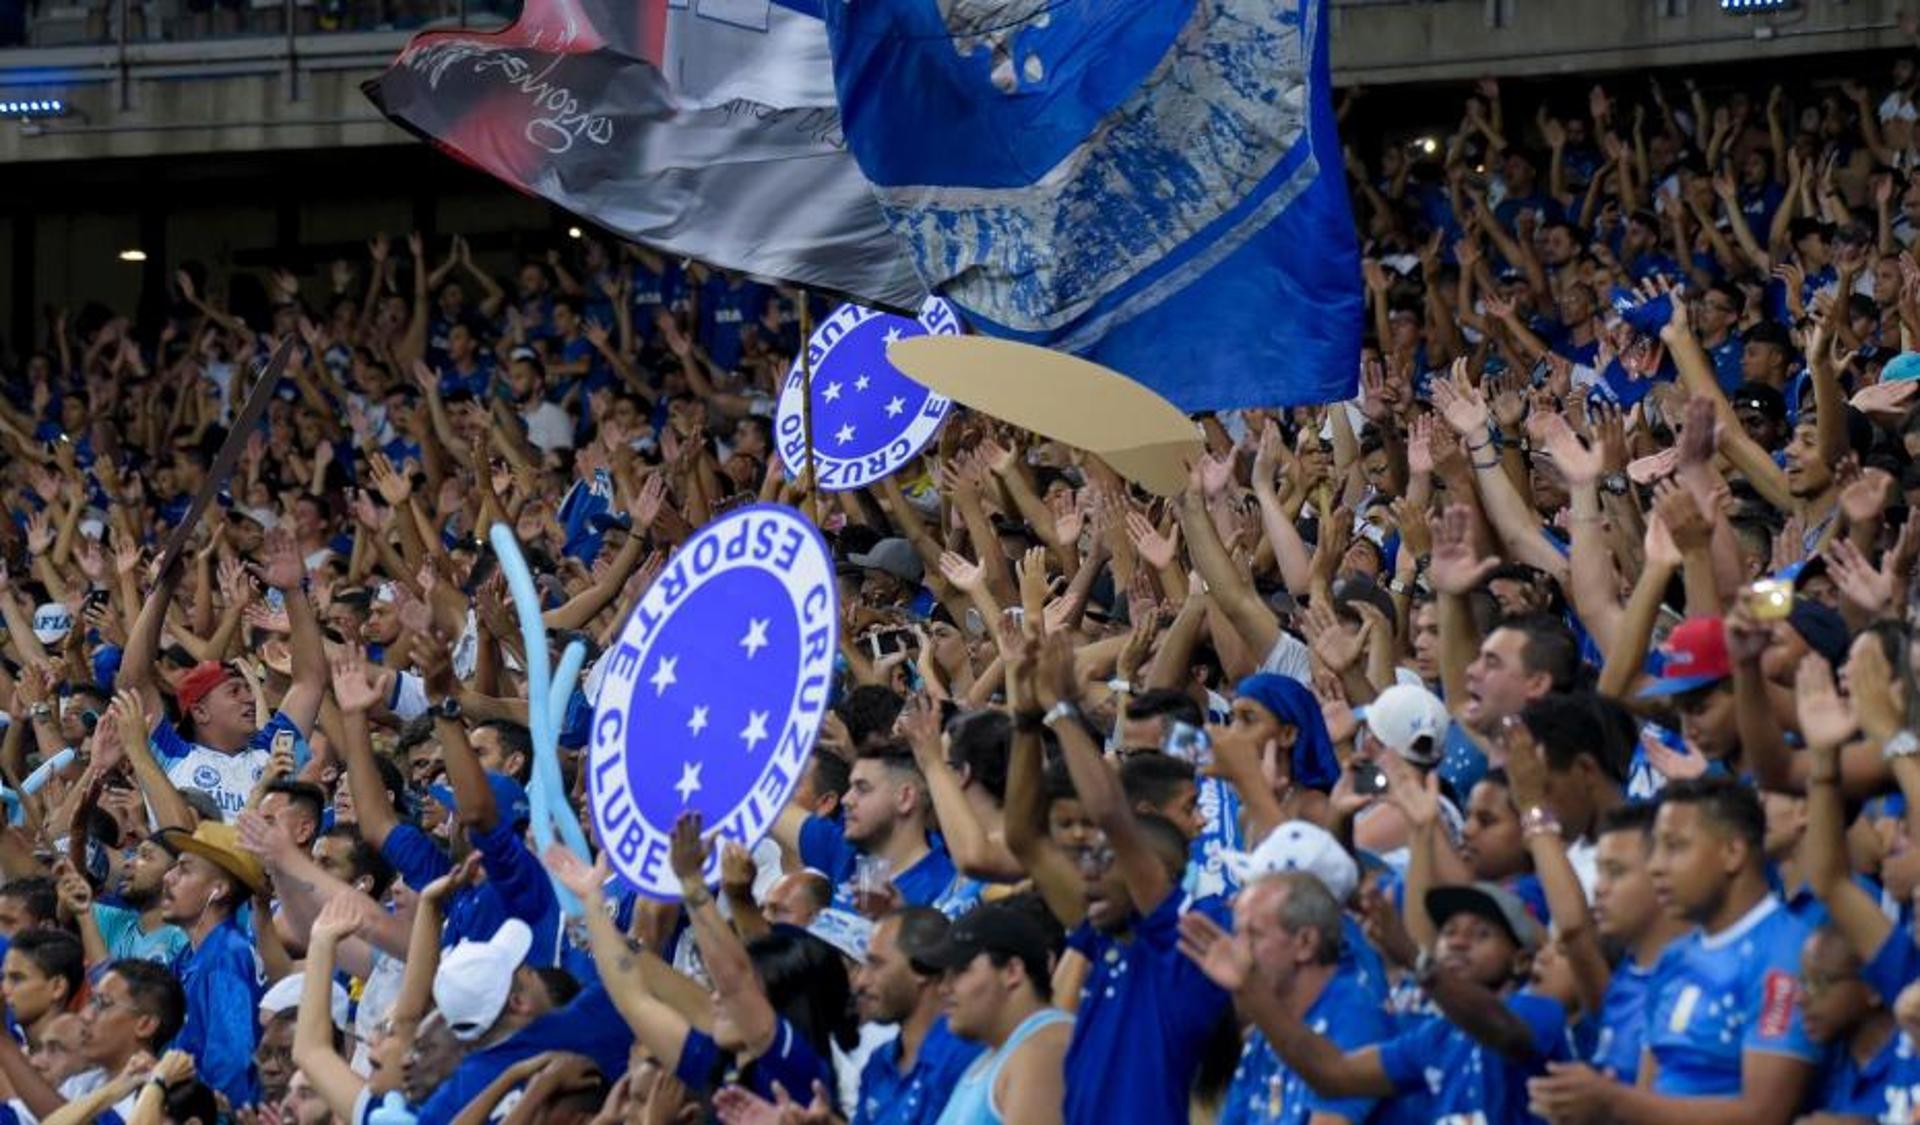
(1695, 656)
(200, 680)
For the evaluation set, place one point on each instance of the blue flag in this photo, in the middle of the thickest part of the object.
(1154, 184)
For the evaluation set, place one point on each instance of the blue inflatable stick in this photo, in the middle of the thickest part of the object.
(547, 695)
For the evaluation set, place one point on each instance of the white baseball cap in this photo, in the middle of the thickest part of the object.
(475, 978)
(1402, 715)
(1298, 845)
(285, 996)
(845, 931)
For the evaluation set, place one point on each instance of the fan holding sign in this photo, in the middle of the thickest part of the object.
(868, 419)
(714, 691)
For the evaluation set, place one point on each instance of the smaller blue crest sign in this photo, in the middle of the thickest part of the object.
(869, 419)
(714, 690)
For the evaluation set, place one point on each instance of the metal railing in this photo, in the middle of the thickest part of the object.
(73, 23)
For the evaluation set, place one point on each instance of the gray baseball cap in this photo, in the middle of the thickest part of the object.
(892, 556)
(1490, 901)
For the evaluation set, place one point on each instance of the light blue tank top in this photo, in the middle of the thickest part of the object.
(972, 1100)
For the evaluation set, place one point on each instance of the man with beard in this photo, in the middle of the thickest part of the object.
(907, 1081)
(997, 993)
(885, 816)
(134, 928)
(210, 879)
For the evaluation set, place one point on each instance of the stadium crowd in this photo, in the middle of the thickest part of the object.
(1533, 736)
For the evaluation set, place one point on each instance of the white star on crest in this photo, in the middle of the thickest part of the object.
(756, 638)
(896, 406)
(861, 383)
(756, 731)
(831, 394)
(844, 434)
(893, 335)
(663, 677)
(689, 782)
(698, 723)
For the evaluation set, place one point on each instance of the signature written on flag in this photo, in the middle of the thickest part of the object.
(557, 122)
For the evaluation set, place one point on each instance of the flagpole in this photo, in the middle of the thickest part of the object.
(806, 405)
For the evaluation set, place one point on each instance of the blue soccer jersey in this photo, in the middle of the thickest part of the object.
(1716, 997)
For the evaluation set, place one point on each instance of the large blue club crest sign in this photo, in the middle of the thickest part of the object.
(868, 418)
(714, 690)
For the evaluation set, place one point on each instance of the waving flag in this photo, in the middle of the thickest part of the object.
(706, 128)
(1154, 184)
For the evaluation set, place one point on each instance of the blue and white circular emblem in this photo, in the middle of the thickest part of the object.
(868, 418)
(714, 691)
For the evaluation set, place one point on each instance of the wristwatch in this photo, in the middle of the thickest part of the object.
(41, 711)
(1902, 745)
(1120, 687)
(1538, 821)
(449, 709)
(1065, 709)
(1614, 484)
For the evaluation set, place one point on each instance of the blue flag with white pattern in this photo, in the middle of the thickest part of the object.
(869, 419)
(1156, 185)
(714, 691)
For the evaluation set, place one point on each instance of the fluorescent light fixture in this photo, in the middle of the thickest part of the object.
(32, 107)
(133, 255)
(1743, 6)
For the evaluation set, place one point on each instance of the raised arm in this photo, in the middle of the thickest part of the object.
(656, 1025)
(1250, 617)
(313, 1051)
(738, 993)
(1098, 785)
(1054, 874)
(1227, 960)
(975, 851)
(284, 570)
(372, 809)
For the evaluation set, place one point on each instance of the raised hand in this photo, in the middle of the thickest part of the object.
(1865, 501)
(75, 893)
(1420, 445)
(963, 573)
(467, 873)
(283, 568)
(1460, 403)
(1685, 522)
(1659, 546)
(1826, 721)
(351, 690)
(688, 852)
(1156, 550)
(1456, 568)
(1416, 795)
(1339, 647)
(1578, 463)
(1863, 585)
(1225, 958)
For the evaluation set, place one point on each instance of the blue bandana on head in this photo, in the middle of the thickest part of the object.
(1314, 763)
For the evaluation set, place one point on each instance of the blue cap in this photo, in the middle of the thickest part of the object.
(1901, 368)
(508, 797)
